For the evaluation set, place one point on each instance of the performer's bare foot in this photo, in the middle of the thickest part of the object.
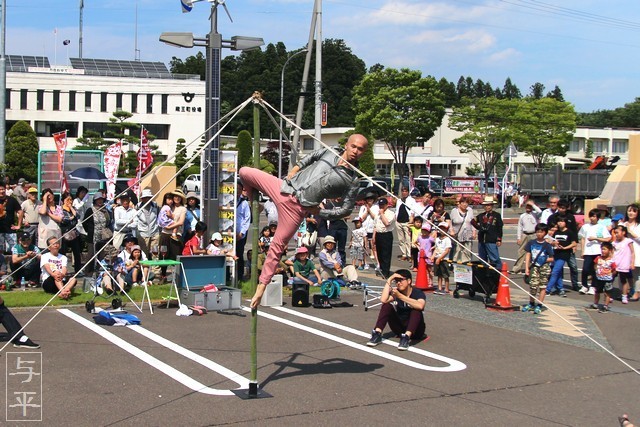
(257, 297)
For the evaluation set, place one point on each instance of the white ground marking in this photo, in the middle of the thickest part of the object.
(161, 366)
(453, 365)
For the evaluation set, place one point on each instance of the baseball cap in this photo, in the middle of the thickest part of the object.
(32, 190)
(617, 217)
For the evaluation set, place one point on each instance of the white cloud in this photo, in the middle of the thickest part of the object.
(504, 55)
(471, 41)
(399, 12)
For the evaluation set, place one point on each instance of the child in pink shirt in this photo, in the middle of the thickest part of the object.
(624, 257)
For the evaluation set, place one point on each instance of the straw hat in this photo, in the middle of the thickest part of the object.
(488, 200)
(178, 192)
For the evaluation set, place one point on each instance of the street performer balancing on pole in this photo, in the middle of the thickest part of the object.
(319, 175)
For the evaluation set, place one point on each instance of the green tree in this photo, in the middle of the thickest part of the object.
(267, 166)
(260, 70)
(536, 91)
(510, 91)
(399, 107)
(588, 149)
(341, 72)
(484, 132)
(192, 65)
(463, 90)
(118, 127)
(245, 149)
(473, 169)
(91, 140)
(22, 152)
(448, 89)
(478, 89)
(556, 94)
(181, 158)
(545, 127)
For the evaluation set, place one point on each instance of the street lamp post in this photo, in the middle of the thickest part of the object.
(213, 43)
(282, 108)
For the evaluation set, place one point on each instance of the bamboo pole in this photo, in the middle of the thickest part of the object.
(255, 233)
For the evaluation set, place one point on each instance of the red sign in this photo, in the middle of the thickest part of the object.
(111, 162)
(145, 160)
(60, 139)
(324, 114)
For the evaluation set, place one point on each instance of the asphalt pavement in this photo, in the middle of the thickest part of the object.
(479, 367)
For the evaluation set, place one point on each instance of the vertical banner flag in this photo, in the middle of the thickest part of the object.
(111, 163)
(145, 160)
(60, 139)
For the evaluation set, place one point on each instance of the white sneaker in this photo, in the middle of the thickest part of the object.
(591, 291)
(366, 266)
(625, 299)
(583, 290)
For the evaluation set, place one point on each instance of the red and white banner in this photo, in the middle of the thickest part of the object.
(60, 139)
(145, 160)
(111, 163)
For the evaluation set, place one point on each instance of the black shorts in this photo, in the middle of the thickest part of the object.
(602, 285)
(625, 276)
(49, 285)
(441, 270)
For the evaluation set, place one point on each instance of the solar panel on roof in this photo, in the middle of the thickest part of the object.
(22, 63)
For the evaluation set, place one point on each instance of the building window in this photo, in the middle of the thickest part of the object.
(383, 169)
(100, 128)
(165, 103)
(149, 103)
(600, 146)
(7, 98)
(24, 93)
(40, 99)
(49, 128)
(134, 102)
(103, 102)
(87, 101)
(576, 146)
(118, 102)
(158, 130)
(56, 100)
(308, 144)
(72, 100)
(620, 146)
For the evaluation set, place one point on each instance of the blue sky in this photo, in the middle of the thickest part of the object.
(591, 49)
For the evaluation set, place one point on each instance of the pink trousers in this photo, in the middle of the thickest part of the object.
(290, 215)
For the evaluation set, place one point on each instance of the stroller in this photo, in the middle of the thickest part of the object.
(106, 281)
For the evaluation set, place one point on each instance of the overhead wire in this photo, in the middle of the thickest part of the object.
(196, 154)
(434, 226)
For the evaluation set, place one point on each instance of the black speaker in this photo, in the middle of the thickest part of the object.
(300, 295)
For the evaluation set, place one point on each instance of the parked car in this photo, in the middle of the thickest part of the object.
(433, 186)
(192, 183)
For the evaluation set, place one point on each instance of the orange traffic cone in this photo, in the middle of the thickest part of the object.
(503, 298)
(422, 278)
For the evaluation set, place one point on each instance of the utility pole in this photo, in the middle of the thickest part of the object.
(3, 82)
(317, 6)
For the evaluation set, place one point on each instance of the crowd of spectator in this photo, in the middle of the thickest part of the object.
(47, 243)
